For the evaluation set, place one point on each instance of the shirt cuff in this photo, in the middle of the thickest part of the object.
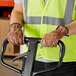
(18, 1)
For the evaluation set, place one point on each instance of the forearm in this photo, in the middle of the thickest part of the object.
(72, 28)
(16, 17)
(15, 36)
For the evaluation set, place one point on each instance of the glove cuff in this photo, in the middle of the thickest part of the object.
(15, 26)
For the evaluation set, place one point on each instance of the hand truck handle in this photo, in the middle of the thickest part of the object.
(26, 39)
(60, 43)
(62, 53)
(3, 49)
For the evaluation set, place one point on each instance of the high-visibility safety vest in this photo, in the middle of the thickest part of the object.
(41, 19)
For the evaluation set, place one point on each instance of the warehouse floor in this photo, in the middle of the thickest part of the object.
(6, 72)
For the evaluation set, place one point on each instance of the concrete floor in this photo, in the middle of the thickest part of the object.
(6, 72)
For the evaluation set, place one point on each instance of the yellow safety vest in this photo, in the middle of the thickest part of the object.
(40, 19)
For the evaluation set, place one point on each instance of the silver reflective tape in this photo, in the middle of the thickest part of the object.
(50, 20)
(32, 20)
(61, 21)
(25, 4)
(69, 10)
(54, 21)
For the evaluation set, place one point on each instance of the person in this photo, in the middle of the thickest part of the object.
(50, 20)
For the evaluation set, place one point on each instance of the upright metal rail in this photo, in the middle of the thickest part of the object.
(31, 55)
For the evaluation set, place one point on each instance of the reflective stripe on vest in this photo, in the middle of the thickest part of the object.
(50, 20)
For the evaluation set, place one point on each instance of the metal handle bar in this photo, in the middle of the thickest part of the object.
(3, 49)
(60, 43)
(27, 39)
(62, 53)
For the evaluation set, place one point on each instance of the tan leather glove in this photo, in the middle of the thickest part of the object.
(52, 38)
(15, 36)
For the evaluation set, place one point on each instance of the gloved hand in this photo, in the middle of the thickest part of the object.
(52, 38)
(15, 36)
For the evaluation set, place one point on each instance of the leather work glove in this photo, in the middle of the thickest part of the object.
(51, 39)
(15, 36)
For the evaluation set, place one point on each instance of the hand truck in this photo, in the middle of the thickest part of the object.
(30, 57)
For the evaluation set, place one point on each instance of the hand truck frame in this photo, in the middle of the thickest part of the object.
(30, 57)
